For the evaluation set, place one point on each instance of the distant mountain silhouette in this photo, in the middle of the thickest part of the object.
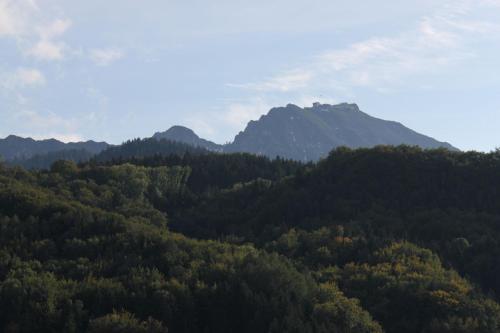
(307, 134)
(15, 147)
(186, 135)
(292, 132)
(44, 161)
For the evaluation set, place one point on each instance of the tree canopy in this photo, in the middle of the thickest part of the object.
(389, 239)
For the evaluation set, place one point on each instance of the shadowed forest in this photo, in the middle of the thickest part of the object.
(387, 239)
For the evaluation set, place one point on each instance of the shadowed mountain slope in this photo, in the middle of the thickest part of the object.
(310, 133)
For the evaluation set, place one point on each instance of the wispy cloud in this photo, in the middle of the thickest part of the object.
(104, 57)
(385, 63)
(37, 32)
(291, 80)
(200, 126)
(14, 17)
(235, 114)
(29, 76)
(22, 77)
(55, 29)
(49, 125)
(48, 46)
(240, 113)
(64, 137)
(48, 50)
(48, 120)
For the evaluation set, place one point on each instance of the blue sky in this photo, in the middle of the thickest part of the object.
(118, 69)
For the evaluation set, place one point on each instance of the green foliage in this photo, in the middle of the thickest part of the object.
(371, 240)
(125, 322)
(69, 260)
(146, 147)
(406, 289)
(343, 315)
(433, 198)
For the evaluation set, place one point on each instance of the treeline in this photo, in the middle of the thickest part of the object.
(44, 161)
(139, 148)
(131, 149)
(215, 171)
(389, 239)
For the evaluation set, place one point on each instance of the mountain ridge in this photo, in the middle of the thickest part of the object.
(17, 147)
(291, 132)
(310, 133)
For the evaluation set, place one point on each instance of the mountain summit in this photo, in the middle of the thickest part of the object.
(310, 133)
(186, 135)
(292, 132)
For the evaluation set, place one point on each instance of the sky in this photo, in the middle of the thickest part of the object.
(120, 69)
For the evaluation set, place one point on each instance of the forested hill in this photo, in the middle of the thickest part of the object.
(388, 239)
(186, 135)
(355, 201)
(140, 148)
(44, 161)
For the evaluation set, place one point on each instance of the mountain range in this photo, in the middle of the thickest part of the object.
(310, 133)
(292, 132)
(15, 147)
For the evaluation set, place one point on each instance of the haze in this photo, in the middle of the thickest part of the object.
(114, 70)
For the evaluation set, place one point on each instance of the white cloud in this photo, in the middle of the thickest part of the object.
(55, 29)
(48, 47)
(15, 16)
(8, 25)
(234, 114)
(36, 31)
(200, 126)
(64, 137)
(30, 76)
(42, 125)
(46, 121)
(104, 57)
(239, 114)
(20, 78)
(48, 50)
(437, 42)
(288, 81)
(491, 2)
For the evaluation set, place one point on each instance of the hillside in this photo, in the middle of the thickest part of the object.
(186, 135)
(389, 239)
(310, 133)
(140, 148)
(44, 161)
